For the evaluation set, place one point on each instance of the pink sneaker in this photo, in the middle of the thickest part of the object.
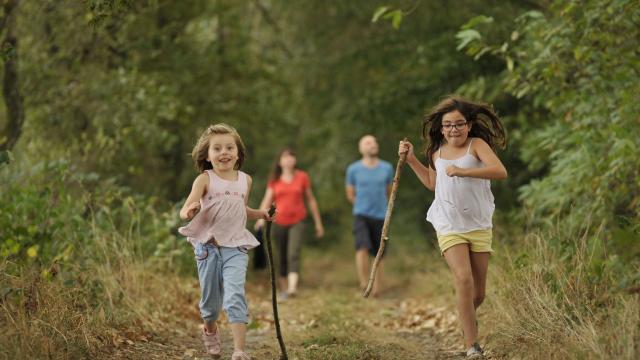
(240, 355)
(212, 342)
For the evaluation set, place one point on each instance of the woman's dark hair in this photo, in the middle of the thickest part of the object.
(484, 122)
(276, 170)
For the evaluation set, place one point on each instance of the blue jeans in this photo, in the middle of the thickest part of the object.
(222, 272)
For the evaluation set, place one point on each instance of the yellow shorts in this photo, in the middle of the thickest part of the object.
(478, 240)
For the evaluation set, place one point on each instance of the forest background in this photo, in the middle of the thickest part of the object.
(103, 101)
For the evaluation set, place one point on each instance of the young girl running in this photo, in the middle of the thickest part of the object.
(461, 137)
(217, 208)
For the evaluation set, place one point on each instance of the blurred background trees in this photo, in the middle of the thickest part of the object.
(104, 99)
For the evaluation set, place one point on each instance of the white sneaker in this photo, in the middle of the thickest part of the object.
(474, 352)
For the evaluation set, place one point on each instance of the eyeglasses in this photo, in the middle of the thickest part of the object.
(458, 126)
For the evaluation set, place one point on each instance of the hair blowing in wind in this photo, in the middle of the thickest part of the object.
(484, 122)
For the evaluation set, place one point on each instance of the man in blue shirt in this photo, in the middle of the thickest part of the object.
(368, 185)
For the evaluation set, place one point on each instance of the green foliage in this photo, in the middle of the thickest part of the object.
(394, 16)
(53, 216)
(120, 89)
(117, 91)
(33, 217)
(5, 157)
(576, 67)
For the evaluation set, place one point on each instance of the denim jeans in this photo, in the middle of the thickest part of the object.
(222, 273)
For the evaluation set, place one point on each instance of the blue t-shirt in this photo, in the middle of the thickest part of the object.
(371, 188)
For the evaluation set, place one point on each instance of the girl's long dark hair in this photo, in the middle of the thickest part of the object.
(484, 122)
(276, 170)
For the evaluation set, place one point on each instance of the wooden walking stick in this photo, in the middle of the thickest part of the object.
(274, 302)
(387, 222)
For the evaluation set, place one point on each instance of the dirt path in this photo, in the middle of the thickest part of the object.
(327, 320)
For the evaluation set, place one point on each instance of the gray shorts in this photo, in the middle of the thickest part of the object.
(367, 232)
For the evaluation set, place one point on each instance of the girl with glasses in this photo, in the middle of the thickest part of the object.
(461, 137)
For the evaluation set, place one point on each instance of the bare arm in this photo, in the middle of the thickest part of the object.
(264, 205)
(192, 204)
(253, 214)
(259, 214)
(427, 175)
(350, 192)
(315, 212)
(267, 199)
(493, 169)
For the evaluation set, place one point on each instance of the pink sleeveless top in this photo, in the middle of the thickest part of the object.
(223, 214)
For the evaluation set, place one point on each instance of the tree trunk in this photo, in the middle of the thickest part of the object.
(11, 83)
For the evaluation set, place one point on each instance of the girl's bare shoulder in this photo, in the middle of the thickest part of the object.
(201, 181)
(478, 142)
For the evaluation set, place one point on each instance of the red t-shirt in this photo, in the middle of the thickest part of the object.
(289, 198)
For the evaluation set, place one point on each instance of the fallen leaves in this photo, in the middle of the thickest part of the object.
(414, 315)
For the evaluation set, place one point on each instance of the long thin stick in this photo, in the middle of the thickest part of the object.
(274, 302)
(387, 222)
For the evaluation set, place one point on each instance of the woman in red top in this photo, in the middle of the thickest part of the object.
(288, 187)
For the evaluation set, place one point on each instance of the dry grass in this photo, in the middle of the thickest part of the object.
(86, 310)
(538, 307)
(547, 308)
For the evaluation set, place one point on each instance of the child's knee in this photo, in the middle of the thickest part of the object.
(464, 281)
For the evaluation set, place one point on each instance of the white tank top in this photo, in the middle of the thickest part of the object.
(461, 204)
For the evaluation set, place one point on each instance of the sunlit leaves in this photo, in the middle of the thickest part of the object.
(466, 36)
(385, 12)
(379, 12)
(577, 63)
